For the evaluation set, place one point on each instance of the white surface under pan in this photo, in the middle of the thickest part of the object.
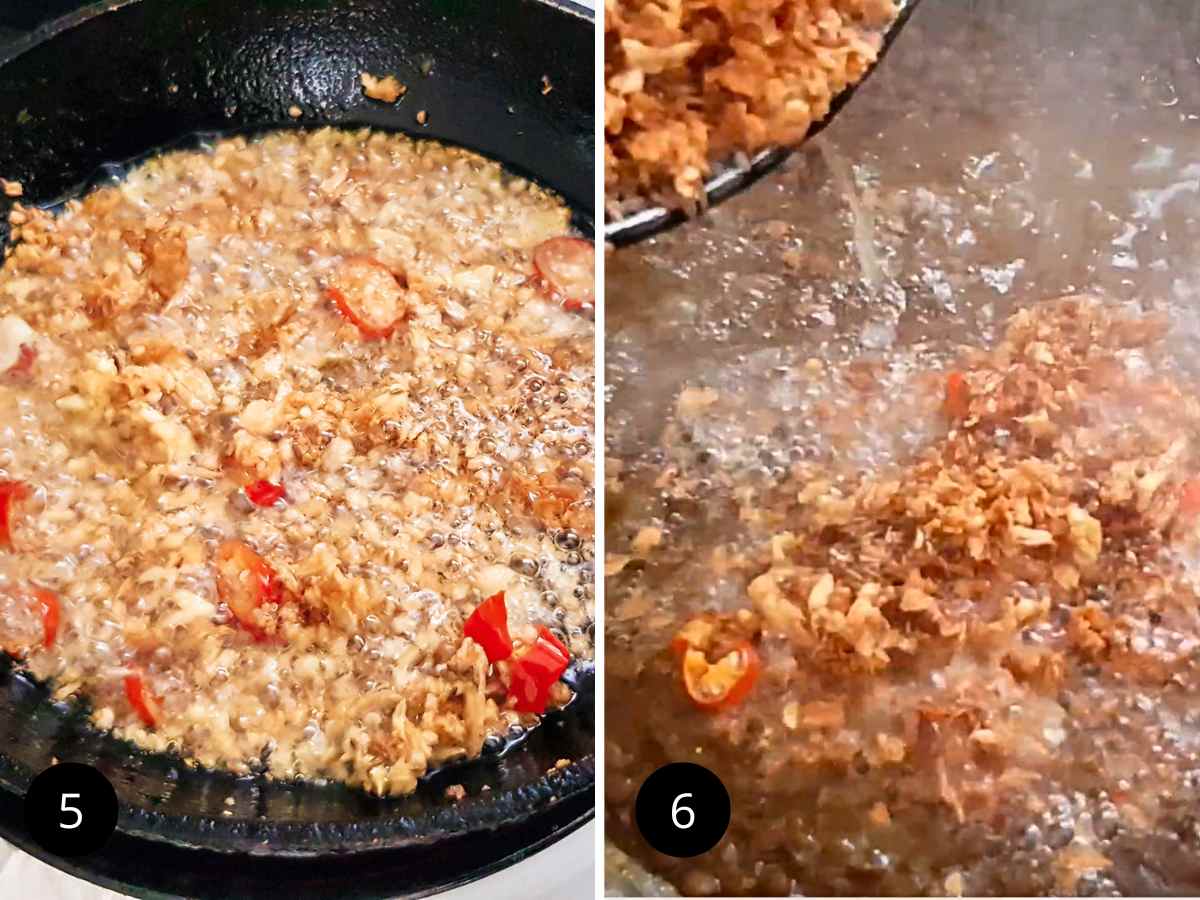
(563, 871)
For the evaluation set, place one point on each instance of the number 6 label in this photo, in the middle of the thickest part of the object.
(682, 810)
(676, 809)
(71, 810)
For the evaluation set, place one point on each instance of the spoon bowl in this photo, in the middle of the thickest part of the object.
(735, 176)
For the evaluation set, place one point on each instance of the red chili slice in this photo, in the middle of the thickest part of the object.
(245, 581)
(264, 493)
(26, 357)
(51, 612)
(488, 627)
(532, 675)
(566, 269)
(713, 686)
(11, 492)
(146, 705)
(369, 295)
(957, 402)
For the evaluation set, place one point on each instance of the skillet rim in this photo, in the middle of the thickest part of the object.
(58, 25)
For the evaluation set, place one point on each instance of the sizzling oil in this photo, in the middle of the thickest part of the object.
(1004, 154)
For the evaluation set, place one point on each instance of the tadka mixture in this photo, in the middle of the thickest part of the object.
(296, 454)
(931, 660)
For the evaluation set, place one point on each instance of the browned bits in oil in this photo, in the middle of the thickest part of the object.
(188, 347)
(970, 629)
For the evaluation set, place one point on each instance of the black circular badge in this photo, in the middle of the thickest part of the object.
(682, 810)
(71, 809)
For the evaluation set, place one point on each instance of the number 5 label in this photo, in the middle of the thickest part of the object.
(71, 809)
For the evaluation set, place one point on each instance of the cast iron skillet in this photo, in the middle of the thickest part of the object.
(111, 83)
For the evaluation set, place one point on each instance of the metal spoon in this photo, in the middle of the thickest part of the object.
(735, 178)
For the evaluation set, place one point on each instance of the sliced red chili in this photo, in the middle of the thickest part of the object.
(145, 704)
(531, 676)
(714, 686)
(957, 402)
(265, 493)
(368, 294)
(566, 268)
(245, 582)
(11, 492)
(51, 612)
(26, 357)
(488, 627)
